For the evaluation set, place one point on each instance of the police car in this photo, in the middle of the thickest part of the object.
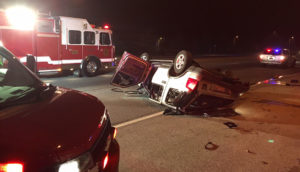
(277, 56)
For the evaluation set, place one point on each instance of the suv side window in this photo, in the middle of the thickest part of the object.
(89, 37)
(74, 37)
(104, 39)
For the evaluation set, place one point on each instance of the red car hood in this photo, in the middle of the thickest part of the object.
(50, 131)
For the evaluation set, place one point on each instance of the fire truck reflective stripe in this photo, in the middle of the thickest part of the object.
(53, 70)
(107, 60)
(70, 61)
(54, 62)
(7, 27)
(48, 35)
(58, 62)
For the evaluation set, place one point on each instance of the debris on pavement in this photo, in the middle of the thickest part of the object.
(211, 146)
(129, 92)
(205, 115)
(265, 163)
(230, 125)
(250, 151)
(170, 111)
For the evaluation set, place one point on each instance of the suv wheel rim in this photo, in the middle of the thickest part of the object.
(180, 62)
(91, 67)
(144, 58)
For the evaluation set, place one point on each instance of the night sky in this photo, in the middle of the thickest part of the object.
(200, 26)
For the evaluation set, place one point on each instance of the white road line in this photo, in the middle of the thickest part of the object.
(138, 120)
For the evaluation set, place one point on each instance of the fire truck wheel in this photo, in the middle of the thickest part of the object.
(182, 61)
(145, 56)
(91, 66)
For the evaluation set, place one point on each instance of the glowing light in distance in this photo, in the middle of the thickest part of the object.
(281, 58)
(261, 56)
(21, 17)
(106, 26)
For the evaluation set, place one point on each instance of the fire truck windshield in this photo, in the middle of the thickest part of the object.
(21, 17)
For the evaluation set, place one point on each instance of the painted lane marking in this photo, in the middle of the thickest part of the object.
(138, 120)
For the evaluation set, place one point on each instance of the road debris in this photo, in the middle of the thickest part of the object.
(230, 125)
(211, 146)
(170, 111)
(250, 151)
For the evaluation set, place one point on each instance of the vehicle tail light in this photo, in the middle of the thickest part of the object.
(105, 161)
(11, 167)
(115, 133)
(261, 56)
(191, 84)
(281, 58)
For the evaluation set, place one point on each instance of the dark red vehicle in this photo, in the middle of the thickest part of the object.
(45, 128)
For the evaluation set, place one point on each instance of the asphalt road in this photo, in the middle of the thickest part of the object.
(177, 143)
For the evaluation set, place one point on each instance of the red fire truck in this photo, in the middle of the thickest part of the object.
(55, 44)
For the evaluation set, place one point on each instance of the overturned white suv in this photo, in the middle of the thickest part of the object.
(182, 85)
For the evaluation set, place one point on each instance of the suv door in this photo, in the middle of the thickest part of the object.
(130, 71)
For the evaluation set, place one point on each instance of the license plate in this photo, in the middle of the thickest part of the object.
(271, 58)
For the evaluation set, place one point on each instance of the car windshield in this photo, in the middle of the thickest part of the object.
(15, 81)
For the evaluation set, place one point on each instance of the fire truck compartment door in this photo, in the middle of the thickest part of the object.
(47, 46)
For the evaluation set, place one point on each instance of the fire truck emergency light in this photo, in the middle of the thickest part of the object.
(21, 17)
(106, 26)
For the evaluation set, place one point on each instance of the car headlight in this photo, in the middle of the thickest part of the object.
(81, 163)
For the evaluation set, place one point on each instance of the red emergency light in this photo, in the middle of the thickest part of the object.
(106, 26)
(269, 50)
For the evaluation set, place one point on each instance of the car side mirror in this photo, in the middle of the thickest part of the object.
(31, 63)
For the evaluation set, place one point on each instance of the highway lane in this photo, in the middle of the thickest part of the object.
(124, 107)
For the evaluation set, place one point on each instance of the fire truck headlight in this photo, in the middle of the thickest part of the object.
(21, 17)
